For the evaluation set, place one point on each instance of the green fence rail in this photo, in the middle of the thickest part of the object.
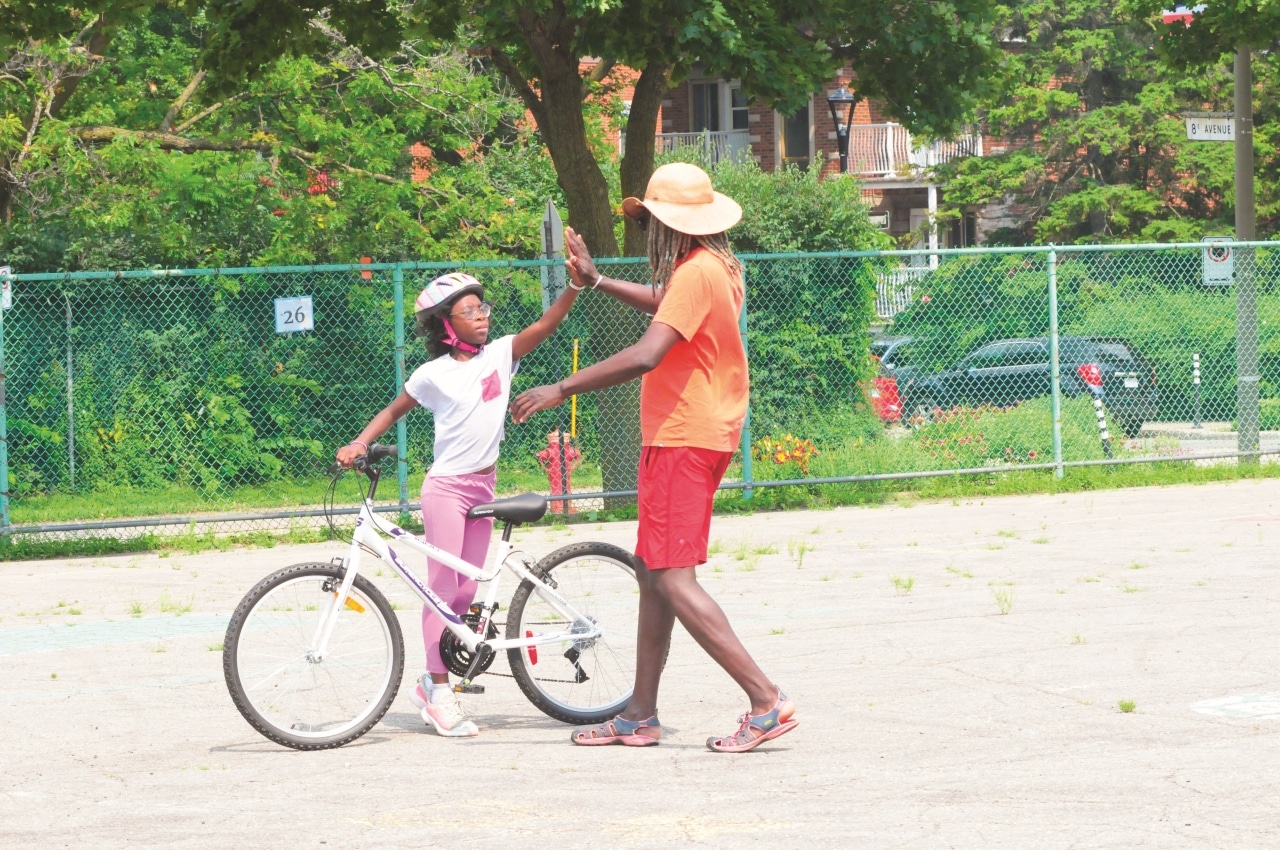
(172, 397)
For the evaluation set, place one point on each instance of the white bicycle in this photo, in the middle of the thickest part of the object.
(314, 654)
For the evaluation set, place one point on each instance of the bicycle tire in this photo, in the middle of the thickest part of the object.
(297, 702)
(598, 580)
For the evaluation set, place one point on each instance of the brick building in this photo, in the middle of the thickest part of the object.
(892, 166)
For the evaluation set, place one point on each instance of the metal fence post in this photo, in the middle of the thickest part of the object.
(71, 402)
(747, 491)
(1055, 378)
(4, 440)
(402, 433)
(1195, 381)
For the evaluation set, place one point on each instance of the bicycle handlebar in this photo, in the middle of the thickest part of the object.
(377, 453)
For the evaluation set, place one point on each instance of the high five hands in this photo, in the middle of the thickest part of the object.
(583, 271)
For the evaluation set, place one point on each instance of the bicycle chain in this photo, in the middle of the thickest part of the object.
(509, 676)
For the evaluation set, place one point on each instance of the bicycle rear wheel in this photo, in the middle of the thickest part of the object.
(575, 680)
(292, 697)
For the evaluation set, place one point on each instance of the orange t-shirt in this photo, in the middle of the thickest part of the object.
(697, 395)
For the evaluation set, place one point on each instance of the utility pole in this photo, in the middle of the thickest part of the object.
(1246, 285)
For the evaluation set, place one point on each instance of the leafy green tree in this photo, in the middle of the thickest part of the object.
(141, 165)
(1097, 143)
(925, 60)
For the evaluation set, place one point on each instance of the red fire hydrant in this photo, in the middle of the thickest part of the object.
(560, 459)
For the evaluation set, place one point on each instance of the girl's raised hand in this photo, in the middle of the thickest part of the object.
(578, 259)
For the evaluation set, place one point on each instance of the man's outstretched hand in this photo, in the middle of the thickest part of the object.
(531, 401)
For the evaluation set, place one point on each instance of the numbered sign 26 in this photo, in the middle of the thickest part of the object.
(294, 314)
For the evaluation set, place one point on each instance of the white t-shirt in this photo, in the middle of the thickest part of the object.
(469, 400)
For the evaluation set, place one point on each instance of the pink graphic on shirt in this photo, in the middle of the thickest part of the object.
(491, 386)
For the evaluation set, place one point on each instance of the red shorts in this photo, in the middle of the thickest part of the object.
(677, 487)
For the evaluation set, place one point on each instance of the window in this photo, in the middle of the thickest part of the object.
(1026, 354)
(987, 357)
(737, 109)
(706, 106)
(795, 139)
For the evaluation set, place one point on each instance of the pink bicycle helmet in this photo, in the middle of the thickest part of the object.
(447, 287)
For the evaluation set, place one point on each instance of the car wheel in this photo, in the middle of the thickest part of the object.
(921, 411)
(1129, 426)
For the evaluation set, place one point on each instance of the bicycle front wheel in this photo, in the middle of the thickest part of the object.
(294, 694)
(578, 680)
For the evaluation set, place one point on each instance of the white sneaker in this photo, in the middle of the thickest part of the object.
(446, 716)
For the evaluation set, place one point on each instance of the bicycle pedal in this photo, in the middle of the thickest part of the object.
(468, 689)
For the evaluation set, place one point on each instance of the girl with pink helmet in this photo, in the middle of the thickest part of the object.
(466, 384)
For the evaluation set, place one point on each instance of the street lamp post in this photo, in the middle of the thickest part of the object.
(842, 102)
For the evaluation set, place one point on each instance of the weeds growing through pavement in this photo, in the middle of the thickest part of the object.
(168, 605)
(1127, 705)
(1004, 598)
(902, 585)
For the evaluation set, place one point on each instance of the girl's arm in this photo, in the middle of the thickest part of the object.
(529, 338)
(377, 426)
(583, 268)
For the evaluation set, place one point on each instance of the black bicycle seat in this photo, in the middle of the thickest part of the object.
(527, 507)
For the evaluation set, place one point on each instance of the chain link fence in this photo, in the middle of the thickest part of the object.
(216, 397)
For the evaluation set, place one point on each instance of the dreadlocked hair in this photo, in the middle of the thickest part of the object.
(667, 245)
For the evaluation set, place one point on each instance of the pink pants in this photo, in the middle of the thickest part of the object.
(445, 502)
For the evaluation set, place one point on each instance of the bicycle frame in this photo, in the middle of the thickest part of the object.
(370, 530)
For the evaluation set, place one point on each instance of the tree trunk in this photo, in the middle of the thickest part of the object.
(637, 162)
(613, 326)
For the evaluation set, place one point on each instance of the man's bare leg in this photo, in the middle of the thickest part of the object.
(704, 619)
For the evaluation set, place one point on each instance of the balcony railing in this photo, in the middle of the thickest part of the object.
(896, 289)
(887, 150)
(716, 145)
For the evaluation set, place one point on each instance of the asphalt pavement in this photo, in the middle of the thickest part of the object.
(1089, 670)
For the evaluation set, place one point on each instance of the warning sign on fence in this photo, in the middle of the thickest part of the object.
(1219, 261)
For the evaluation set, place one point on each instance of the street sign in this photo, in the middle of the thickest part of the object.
(1219, 261)
(880, 220)
(294, 315)
(553, 275)
(1208, 127)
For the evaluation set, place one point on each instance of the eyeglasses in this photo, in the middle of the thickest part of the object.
(483, 309)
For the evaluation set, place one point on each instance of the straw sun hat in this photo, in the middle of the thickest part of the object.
(680, 196)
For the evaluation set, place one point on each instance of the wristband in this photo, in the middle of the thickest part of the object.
(576, 288)
(599, 277)
(361, 442)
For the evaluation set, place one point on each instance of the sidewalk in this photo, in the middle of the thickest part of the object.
(929, 719)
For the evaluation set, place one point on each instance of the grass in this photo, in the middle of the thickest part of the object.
(1004, 599)
(168, 605)
(1127, 706)
(902, 585)
(923, 450)
(797, 550)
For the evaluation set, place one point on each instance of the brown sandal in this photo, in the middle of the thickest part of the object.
(754, 731)
(618, 731)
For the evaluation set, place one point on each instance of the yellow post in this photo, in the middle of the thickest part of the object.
(573, 401)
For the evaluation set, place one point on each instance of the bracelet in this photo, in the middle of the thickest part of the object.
(576, 288)
(361, 442)
(599, 277)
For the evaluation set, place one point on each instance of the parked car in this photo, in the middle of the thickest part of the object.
(884, 395)
(1008, 371)
(887, 349)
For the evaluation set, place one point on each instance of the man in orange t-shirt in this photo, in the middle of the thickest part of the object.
(693, 402)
